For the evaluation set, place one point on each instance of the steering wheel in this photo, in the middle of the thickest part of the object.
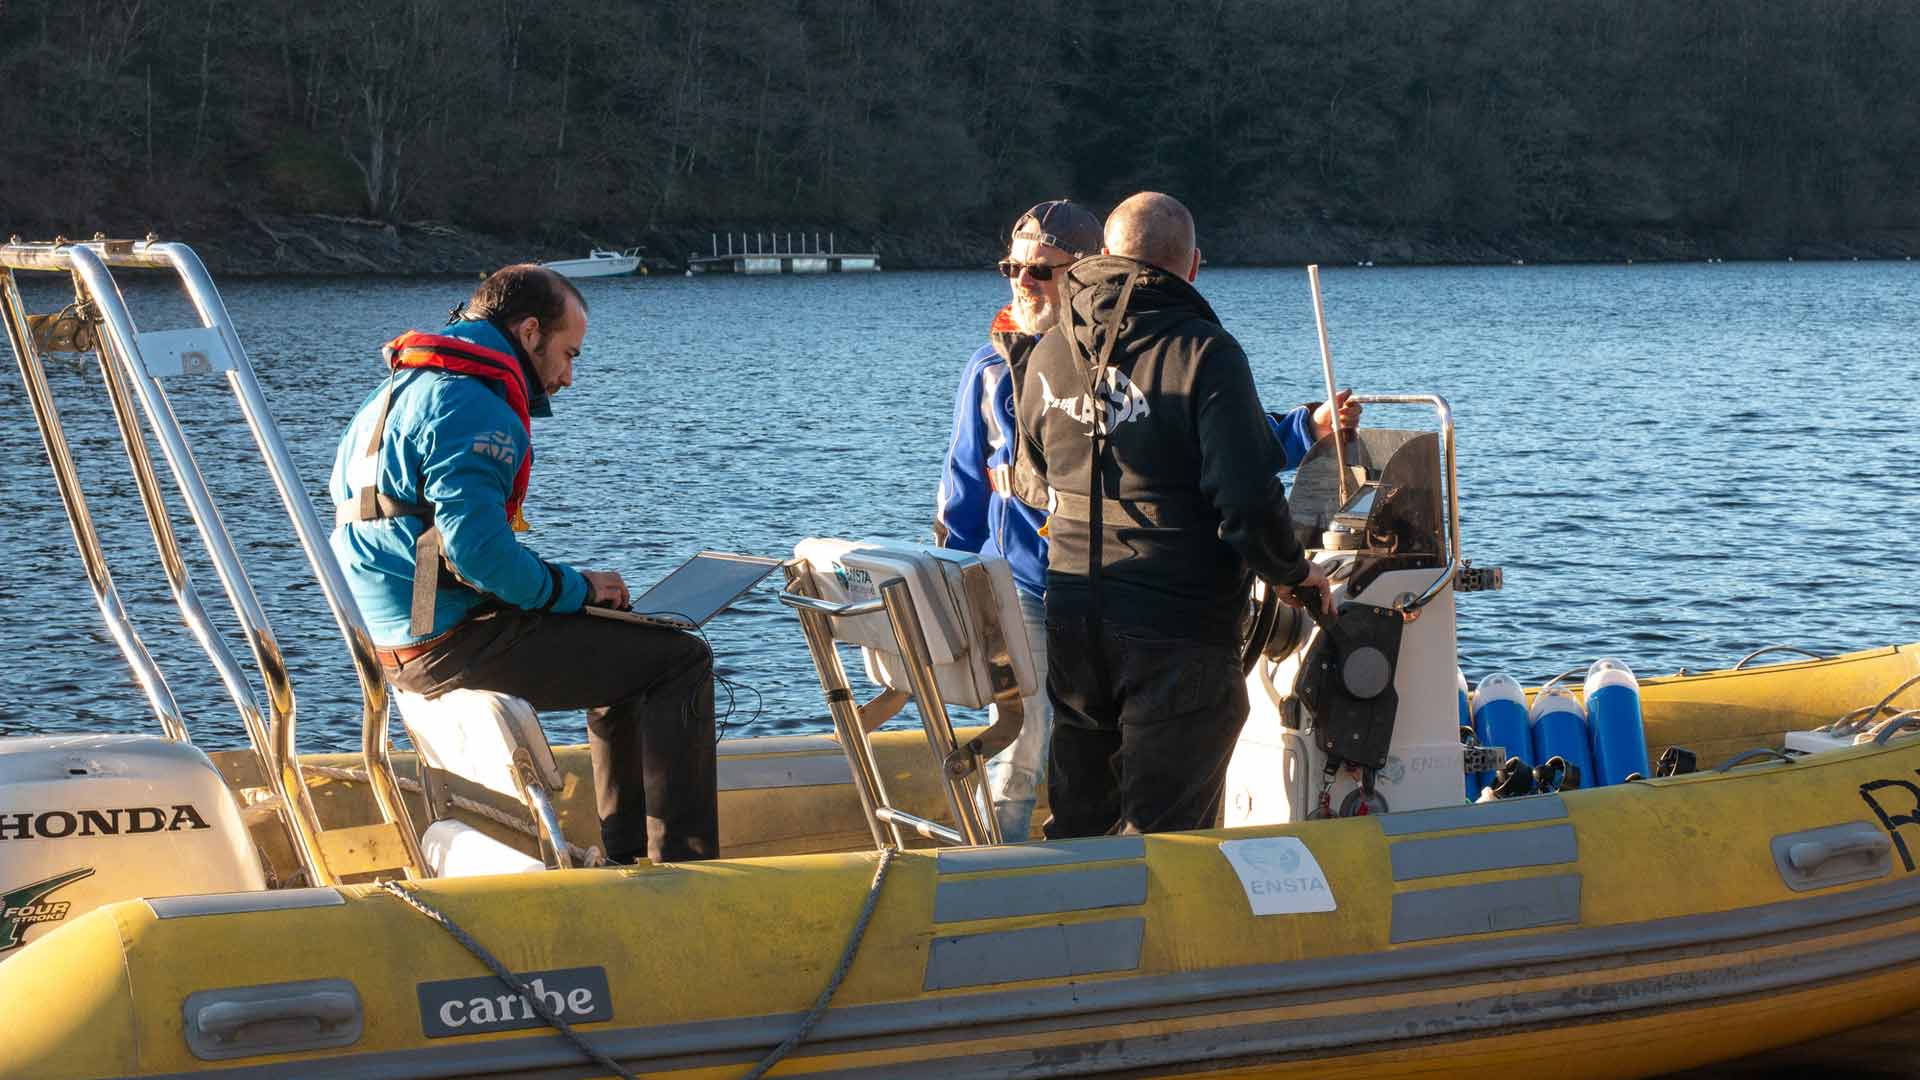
(1263, 601)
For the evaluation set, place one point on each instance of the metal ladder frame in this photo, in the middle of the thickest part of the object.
(959, 764)
(326, 855)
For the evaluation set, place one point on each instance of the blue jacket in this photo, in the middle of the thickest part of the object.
(451, 440)
(976, 510)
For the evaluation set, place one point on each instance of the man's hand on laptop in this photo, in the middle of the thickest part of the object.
(606, 589)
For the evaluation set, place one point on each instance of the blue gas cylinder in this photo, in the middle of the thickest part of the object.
(1475, 780)
(1613, 719)
(1500, 716)
(1560, 728)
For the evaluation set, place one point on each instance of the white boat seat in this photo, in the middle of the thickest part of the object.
(962, 634)
(492, 740)
(474, 733)
(970, 649)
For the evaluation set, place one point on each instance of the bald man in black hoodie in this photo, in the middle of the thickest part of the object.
(1140, 412)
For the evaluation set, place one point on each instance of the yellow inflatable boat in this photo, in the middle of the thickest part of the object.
(261, 913)
(1613, 932)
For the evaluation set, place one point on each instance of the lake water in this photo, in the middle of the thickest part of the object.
(1673, 464)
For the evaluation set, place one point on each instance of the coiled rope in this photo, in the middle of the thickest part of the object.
(1864, 723)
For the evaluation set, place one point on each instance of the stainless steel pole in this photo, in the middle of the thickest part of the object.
(73, 497)
(1326, 366)
(911, 637)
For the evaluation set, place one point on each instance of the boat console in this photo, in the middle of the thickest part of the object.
(1359, 715)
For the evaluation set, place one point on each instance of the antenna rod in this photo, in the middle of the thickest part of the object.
(1326, 366)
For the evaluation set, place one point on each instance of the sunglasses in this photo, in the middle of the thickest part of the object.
(1040, 271)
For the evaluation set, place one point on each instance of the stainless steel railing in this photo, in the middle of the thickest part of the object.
(33, 375)
(214, 346)
(963, 785)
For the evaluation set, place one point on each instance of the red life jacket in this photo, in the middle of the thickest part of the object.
(414, 349)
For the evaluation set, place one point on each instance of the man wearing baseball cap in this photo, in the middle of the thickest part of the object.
(977, 510)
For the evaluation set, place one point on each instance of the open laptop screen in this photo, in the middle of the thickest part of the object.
(697, 589)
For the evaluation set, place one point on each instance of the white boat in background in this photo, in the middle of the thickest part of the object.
(598, 263)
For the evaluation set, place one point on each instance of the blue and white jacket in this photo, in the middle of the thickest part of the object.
(454, 442)
(976, 509)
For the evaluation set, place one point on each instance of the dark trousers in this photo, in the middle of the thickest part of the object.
(648, 692)
(1143, 726)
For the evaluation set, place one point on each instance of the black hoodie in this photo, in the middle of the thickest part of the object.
(1190, 471)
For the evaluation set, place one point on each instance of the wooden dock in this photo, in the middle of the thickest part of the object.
(764, 253)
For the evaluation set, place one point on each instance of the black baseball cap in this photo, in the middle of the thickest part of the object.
(1063, 224)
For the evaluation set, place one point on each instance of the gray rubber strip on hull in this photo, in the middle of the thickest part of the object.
(1047, 893)
(1474, 816)
(182, 907)
(971, 1017)
(1056, 853)
(1468, 853)
(1494, 907)
(1039, 952)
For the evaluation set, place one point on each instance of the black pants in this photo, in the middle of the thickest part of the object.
(1141, 746)
(648, 692)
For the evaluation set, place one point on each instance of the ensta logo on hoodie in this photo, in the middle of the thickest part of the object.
(1120, 403)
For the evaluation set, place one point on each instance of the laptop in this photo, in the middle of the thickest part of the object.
(696, 590)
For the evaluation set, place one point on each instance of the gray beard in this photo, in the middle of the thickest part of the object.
(1035, 321)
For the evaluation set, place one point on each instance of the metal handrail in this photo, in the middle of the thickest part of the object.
(1765, 649)
(375, 745)
(186, 597)
(121, 339)
(89, 263)
(868, 782)
(904, 617)
(73, 498)
(848, 610)
(884, 819)
(1412, 607)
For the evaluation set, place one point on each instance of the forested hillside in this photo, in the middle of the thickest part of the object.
(931, 123)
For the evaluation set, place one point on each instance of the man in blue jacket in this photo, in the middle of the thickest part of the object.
(428, 484)
(977, 509)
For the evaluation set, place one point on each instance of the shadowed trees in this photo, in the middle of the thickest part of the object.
(543, 116)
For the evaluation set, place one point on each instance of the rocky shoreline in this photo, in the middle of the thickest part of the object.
(328, 245)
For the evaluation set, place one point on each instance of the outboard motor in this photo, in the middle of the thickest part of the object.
(1363, 715)
(87, 820)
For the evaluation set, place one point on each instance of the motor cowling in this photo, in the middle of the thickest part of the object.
(88, 820)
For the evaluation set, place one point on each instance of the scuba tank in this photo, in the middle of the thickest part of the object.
(1500, 717)
(1475, 780)
(1560, 730)
(1613, 715)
